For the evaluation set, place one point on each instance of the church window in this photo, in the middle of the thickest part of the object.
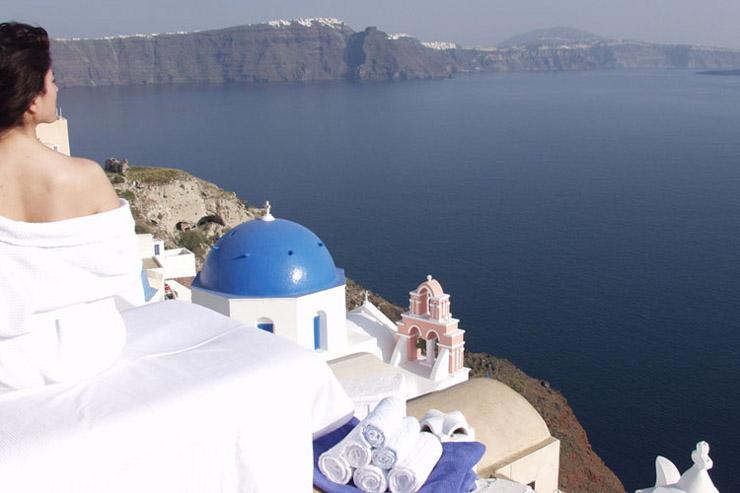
(317, 332)
(266, 327)
(266, 324)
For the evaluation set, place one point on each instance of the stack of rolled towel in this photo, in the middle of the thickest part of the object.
(387, 450)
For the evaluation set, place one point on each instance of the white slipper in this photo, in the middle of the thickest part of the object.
(450, 427)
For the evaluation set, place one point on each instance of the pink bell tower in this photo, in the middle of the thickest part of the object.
(428, 334)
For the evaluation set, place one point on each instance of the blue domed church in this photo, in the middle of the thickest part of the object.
(279, 276)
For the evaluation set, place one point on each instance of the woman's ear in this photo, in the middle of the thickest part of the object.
(31, 115)
(34, 107)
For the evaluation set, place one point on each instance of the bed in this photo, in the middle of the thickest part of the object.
(197, 403)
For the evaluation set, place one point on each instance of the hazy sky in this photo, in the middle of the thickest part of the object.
(469, 22)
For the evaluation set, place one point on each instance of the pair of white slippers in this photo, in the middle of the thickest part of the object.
(449, 427)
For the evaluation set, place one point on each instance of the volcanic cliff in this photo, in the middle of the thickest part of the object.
(328, 49)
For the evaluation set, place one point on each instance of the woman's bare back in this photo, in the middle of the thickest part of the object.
(38, 184)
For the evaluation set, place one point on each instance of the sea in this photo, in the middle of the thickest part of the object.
(585, 224)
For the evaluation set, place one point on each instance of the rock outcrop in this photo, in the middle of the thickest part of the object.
(188, 211)
(327, 49)
(179, 208)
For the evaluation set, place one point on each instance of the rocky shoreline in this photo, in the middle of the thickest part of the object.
(185, 210)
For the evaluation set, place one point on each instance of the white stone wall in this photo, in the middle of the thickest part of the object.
(177, 262)
(250, 311)
(146, 245)
(539, 466)
(292, 318)
(210, 300)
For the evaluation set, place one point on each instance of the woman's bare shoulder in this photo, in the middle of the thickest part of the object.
(79, 186)
(38, 184)
(87, 181)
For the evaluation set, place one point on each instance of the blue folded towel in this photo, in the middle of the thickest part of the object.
(452, 474)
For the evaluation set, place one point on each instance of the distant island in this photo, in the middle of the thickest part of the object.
(553, 36)
(720, 72)
(327, 49)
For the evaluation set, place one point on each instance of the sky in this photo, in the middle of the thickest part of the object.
(468, 22)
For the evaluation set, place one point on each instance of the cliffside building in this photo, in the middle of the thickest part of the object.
(163, 267)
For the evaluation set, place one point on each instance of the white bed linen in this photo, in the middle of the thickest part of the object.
(197, 403)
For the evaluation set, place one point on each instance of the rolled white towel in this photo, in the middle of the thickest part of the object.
(398, 445)
(357, 452)
(412, 471)
(383, 421)
(335, 467)
(335, 463)
(371, 479)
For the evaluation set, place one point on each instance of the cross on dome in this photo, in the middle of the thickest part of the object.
(267, 216)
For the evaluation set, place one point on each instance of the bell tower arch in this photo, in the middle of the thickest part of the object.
(428, 334)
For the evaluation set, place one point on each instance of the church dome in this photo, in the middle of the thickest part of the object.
(269, 258)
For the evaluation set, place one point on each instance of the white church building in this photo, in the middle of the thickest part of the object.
(278, 276)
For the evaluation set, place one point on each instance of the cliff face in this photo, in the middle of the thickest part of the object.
(598, 55)
(644, 55)
(258, 53)
(537, 58)
(318, 50)
(372, 55)
(313, 51)
(187, 211)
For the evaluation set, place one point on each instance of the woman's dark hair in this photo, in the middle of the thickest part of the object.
(24, 61)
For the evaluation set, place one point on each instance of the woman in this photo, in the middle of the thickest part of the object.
(68, 252)
(37, 183)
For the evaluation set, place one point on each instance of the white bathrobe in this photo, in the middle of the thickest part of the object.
(61, 285)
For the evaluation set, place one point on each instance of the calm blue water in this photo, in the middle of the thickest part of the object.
(587, 225)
